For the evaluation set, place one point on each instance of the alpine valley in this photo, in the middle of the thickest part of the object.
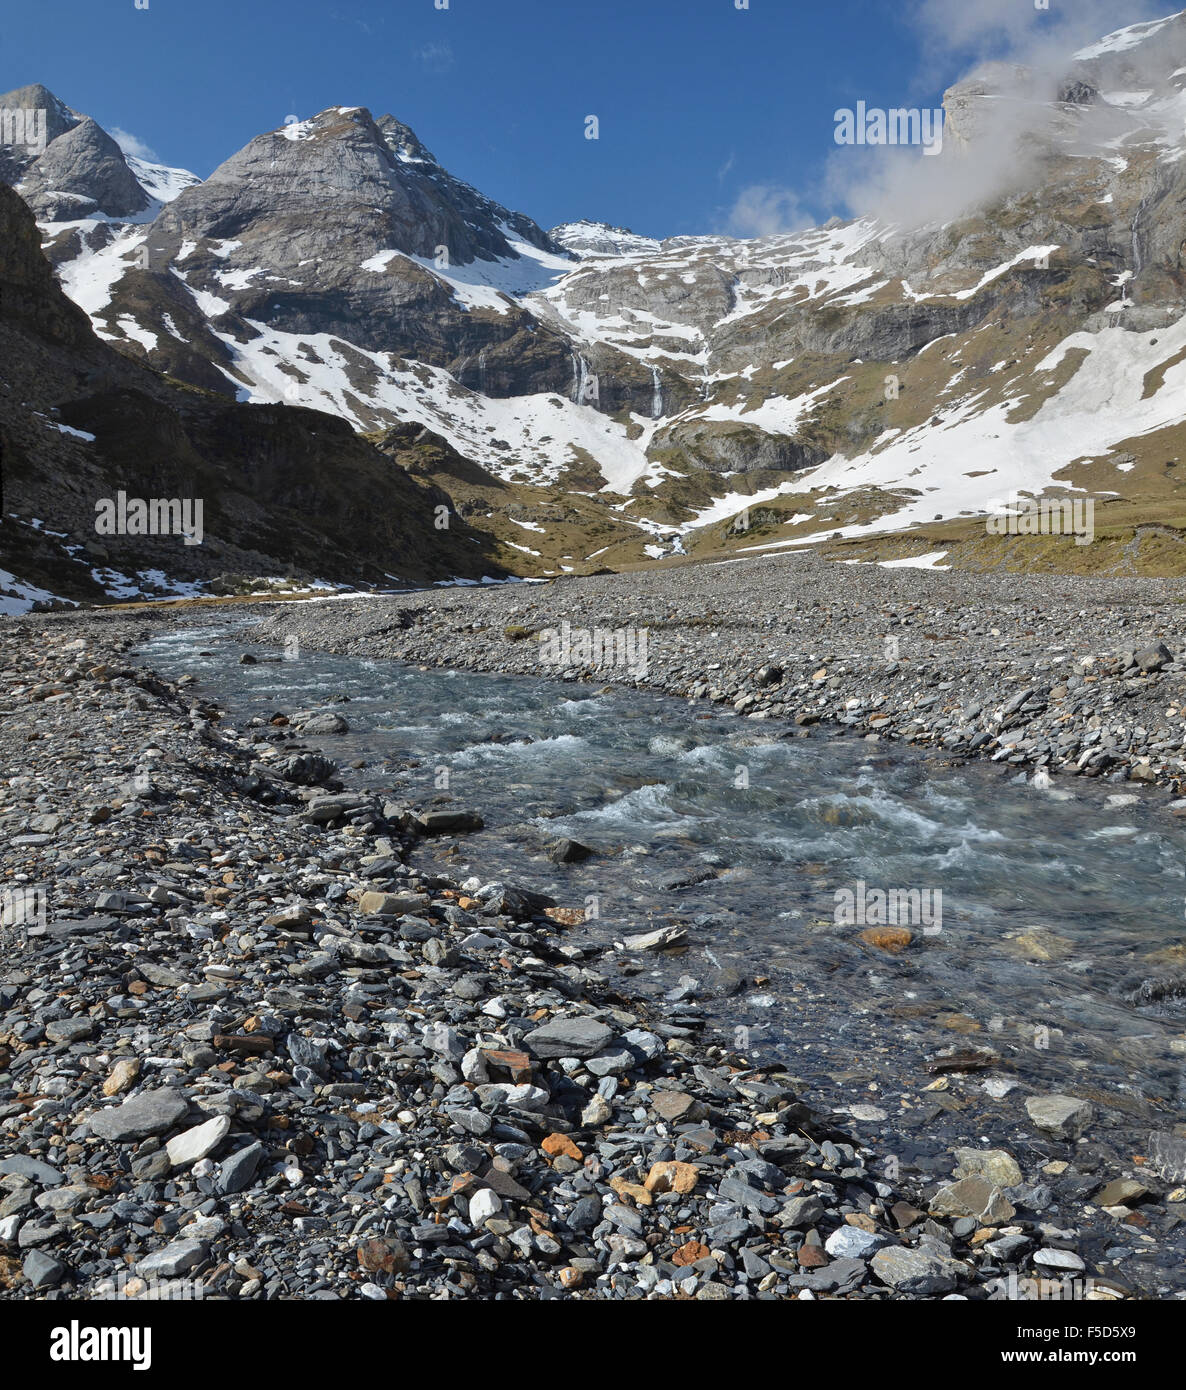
(332, 323)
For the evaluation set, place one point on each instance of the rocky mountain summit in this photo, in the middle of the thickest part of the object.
(1007, 319)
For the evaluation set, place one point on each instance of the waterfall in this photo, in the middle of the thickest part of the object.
(1136, 239)
(580, 378)
(656, 394)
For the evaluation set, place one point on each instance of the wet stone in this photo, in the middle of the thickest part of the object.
(1065, 1117)
(913, 1271)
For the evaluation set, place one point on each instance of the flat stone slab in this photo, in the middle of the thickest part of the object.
(913, 1271)
(31, 1168)
(569, 1037)
(151, 1112)
(70, 1030)
(975, 1197)
(173, 1260)
(238, 1171)
(83, 926)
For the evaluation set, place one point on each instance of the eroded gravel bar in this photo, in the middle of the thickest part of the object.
(1079, 677)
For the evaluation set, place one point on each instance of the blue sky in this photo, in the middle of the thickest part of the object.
(712, 118)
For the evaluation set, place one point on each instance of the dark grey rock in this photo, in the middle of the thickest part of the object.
(237, 1171)
(568, 1037)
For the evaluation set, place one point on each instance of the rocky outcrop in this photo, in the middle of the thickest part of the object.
(81, 173)
(283, 490)
(591, 240)
(75, 170)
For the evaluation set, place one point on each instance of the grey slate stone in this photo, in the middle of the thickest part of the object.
(151, 1112)
(568, 1037)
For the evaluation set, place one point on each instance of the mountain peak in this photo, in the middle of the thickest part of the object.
(1134, 37)
(403, 142)
(83, 171)
(59, 117)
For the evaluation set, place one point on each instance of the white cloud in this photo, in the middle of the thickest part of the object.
(436, 57)
(1018, 31)
(133, 145)
(959, 40)
(763, 209)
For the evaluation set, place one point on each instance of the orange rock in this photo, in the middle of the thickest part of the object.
(561, 1144)
(690, 1252)
(635, 1191)
(861, 1221)
(517, 1063)
(571, 1278)
(383, 1256)
(812, 1257)
(891, 939)
(672, 1176)
(959, 1023)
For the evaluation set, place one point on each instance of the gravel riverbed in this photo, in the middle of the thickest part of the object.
(248, 1052)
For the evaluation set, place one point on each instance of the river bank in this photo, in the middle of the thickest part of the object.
(248, 1047)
